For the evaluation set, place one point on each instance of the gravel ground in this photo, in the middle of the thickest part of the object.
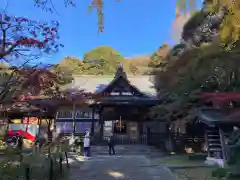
(131, 163)
(204, 173)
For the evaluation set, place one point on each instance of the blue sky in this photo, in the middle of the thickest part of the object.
(132, 27)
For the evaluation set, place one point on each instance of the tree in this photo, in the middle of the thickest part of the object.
(133, 69)
(36, 81)
(158, 57)
(229, 29)
(27, 81)
(24, 38)
(102, 60)
(194, 66)
(69, 65)
(193, 23)
(64, 74)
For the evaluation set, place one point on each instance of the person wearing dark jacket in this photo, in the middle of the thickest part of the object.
(111, 146)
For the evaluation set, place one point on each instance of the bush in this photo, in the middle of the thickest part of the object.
(35, 164)
(43, 169)
(220, 173)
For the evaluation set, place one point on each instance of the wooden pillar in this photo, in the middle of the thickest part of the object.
(93, 119)
(101, 121)
(27, 122)
(74, 118)
(39, 125)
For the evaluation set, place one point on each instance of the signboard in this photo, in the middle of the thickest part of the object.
(65, 114)
(127, 94)
(81, 114)
(108, 128)
(121, 94)
(133, 130)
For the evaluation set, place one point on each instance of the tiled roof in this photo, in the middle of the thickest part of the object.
(96, 83)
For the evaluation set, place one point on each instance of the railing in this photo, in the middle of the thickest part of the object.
(120, 139)
(124, 139)
(157, 140)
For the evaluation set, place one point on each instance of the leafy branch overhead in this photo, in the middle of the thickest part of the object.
(98, 5)
(22, 37)
(22, 40)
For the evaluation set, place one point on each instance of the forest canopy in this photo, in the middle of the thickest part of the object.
(103, 60)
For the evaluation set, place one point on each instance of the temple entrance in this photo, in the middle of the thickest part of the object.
(126, 127)
(120, 126)
(124, 131)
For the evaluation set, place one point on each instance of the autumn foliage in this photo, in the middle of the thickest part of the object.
(22, 37)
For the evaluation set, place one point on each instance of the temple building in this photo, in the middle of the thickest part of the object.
(119, 108)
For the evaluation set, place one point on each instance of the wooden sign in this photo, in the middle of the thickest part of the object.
(121, 94)
(133, 130)
(65, 114)
(81, 114)
(108, 128)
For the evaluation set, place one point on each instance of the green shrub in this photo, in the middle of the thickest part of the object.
(220, 173)
(37, 162)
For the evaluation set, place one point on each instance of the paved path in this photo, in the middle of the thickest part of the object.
(131, 163)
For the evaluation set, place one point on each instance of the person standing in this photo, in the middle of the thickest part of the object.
(111, 146)
(86, 145)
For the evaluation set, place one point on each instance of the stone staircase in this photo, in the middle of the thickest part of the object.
(214, 143)
(125, 150)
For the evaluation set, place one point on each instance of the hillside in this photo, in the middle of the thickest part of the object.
(137, 64)
(132, 65)
(103, 60)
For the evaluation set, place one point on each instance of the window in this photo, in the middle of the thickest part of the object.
(64, 114)
(32, 129)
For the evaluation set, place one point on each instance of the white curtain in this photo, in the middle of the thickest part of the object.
(82, 127)
(65, 127)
